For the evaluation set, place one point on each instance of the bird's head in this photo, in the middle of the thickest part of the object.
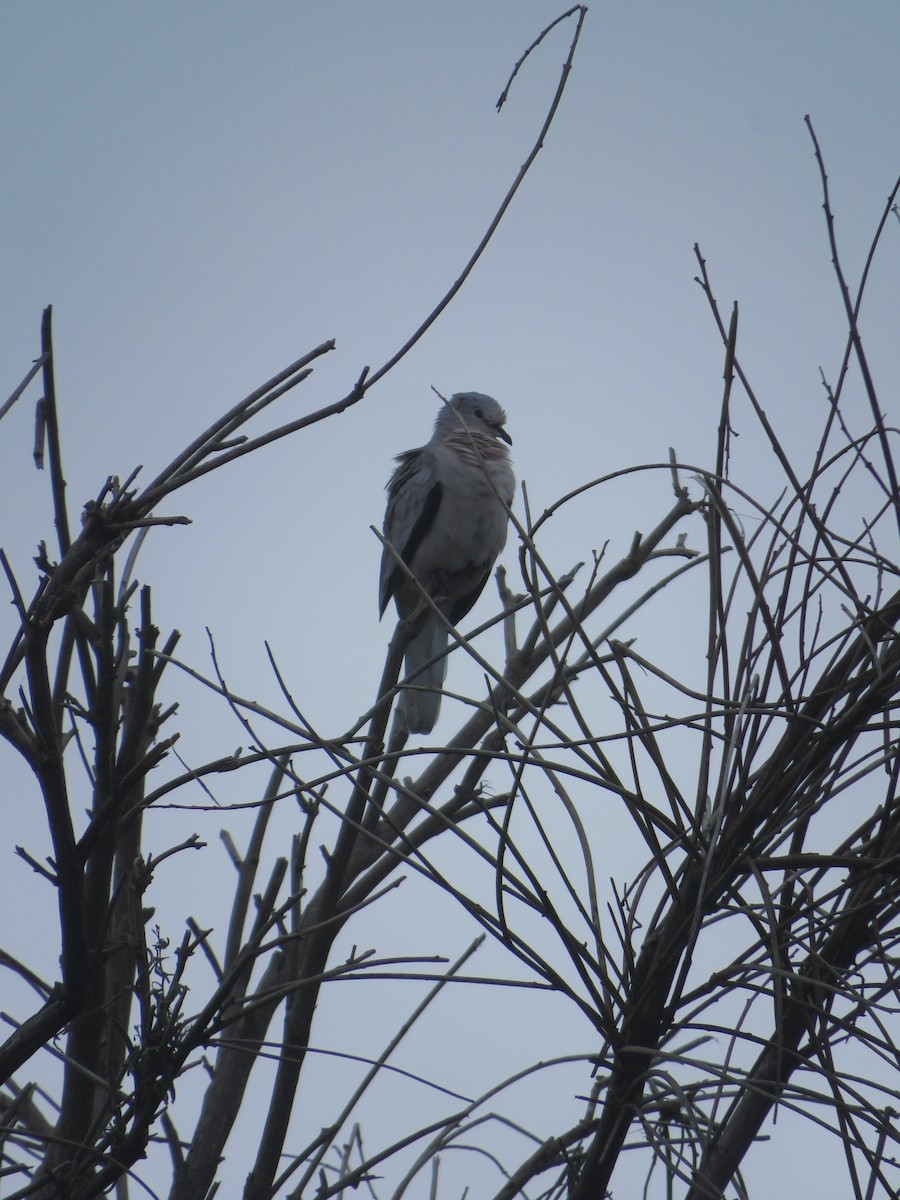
(481, 413)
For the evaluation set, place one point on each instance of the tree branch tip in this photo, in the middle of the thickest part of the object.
(579, 8)
(231, 848)
(228, 443)
(37, 867)
(147, 523)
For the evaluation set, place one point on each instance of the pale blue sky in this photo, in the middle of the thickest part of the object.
(206, 191)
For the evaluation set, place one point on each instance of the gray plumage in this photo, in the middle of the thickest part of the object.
(446, 518)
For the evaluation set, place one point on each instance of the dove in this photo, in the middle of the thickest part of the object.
(447, 513)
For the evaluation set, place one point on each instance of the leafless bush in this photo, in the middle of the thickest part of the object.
(746, 966)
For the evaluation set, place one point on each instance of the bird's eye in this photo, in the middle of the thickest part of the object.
(479, 414)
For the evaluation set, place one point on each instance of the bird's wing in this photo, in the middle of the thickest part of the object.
(414, 497)
(475, 585)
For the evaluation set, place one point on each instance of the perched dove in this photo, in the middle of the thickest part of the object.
(446, 518)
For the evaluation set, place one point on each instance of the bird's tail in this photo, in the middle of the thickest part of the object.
(421, 707)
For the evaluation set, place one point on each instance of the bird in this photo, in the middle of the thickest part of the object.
(447, 513)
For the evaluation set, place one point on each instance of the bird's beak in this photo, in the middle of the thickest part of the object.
(501, 433)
